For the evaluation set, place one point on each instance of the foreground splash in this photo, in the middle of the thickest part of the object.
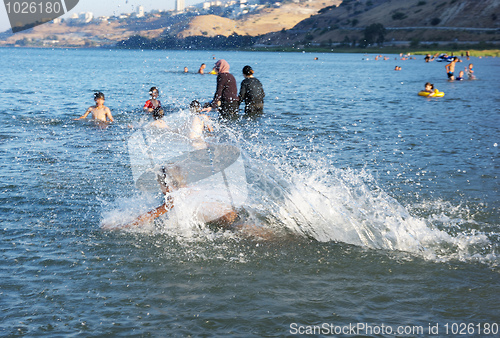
(201, 182)
(318, 202)
(28, 14)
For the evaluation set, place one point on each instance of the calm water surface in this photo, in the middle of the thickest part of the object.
(388, 204)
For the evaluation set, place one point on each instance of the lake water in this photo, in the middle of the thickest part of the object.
(385, 204)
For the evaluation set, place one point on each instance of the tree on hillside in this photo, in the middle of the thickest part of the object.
(375, 33)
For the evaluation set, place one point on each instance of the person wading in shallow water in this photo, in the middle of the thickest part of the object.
(99, 112)
(252, 93)
(226, 95)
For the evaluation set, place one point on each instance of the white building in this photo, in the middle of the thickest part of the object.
(82, 17)
(139, 12)
(87, 17)
(179, 6)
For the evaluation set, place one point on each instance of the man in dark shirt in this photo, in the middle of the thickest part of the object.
(252, 93)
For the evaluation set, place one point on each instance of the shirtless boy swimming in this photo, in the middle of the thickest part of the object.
(99, 112)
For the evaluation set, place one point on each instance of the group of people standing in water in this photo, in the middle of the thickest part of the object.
(226, 99)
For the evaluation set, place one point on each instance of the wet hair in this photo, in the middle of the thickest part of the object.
(195, 106)
(157, 113)
(247, 70)
(152, 89)
(172, 176)
(98, 95)
(429, 84)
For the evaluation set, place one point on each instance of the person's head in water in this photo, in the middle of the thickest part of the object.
(429, 86)
(195, 107)
(153, 91)
(171, 178)
(99, 98)
(157, 113)
(248, 71)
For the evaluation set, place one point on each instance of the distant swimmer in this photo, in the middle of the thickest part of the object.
(470, 72)
(450, 68)
(202, 69)
(99, 112)
(460, 76)
(252, 93)
(226, 92)
(397, 68)
(429, 88)
(153, 104)
(185, 69)
(430, 91)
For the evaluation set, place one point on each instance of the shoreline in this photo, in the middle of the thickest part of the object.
(483, 52)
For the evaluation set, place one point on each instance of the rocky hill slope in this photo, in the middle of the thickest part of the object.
(311, 22)
(269, 19)
(424, 20)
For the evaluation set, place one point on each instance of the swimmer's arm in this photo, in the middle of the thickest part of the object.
(243, 92)
(207, 123)
(86, 113)
(108, 114)
(151, 215)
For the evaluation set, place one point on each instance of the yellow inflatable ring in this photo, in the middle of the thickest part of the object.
(437, 93)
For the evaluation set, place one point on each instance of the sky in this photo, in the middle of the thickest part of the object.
(105, 7)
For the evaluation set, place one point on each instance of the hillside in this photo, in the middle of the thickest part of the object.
(271, 19)
(290, 23)
(424, 20)
(265, 20)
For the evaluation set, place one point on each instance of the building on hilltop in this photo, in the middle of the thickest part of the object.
(179, 6)
(82, 17)
(139, 12)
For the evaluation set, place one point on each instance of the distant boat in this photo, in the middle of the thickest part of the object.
(444, 58)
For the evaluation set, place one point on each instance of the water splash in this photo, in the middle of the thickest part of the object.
(317, 201)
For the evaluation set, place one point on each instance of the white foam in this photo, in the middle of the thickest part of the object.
(327, 204)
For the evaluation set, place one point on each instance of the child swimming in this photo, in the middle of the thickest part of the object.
(429, 88)
(158, 120)
(470, 71)
(199, 124)
(153, 104)
(99, 112)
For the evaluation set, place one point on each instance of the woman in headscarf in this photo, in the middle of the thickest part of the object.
(226, 94)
